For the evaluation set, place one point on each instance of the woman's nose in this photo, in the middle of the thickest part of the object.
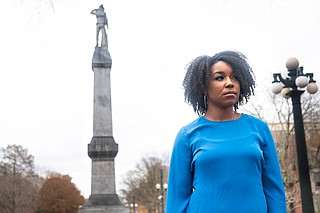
(229, 83)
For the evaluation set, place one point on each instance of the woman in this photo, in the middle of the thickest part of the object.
(224, 161)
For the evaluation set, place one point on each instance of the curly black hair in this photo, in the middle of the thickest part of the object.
(197, 78)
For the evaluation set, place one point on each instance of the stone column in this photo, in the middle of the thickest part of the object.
(102, 149)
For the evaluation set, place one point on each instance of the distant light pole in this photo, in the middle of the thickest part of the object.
(162, 187)
(134, 205)
(293, 86)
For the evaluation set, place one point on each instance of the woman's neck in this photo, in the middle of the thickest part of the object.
(221, 115)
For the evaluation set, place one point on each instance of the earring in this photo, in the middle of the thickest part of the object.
(205, 101)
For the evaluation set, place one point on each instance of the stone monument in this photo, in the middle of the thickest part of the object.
(102, 148)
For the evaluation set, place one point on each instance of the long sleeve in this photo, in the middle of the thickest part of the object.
(271, 176)
(180, 175)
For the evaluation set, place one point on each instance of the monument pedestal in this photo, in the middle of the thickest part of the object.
(103, 199)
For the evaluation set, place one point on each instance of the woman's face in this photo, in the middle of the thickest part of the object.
(224, 88)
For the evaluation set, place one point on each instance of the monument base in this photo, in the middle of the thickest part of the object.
(104, 209)
(103, 200)
(103, 203)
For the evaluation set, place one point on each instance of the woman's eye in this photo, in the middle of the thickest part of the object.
(235, 78)
(219, 78)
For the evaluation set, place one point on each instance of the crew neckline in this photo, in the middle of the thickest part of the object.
(226, 121)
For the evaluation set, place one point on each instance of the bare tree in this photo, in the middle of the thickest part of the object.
(140, 183)
(19, 185)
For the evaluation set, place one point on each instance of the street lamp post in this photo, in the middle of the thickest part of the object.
(162, 187)
(293, 86)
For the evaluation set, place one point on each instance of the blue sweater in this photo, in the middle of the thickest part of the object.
(225, 167)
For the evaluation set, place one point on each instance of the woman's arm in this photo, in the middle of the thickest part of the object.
(271, 176)
(180, 175)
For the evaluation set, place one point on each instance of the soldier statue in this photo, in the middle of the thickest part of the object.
(101, 22)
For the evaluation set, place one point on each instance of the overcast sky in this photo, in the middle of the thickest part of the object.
(46, 82)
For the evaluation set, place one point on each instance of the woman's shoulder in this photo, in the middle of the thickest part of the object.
(253, 119)
(194, 123)
(256, 123)
(187, 128)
